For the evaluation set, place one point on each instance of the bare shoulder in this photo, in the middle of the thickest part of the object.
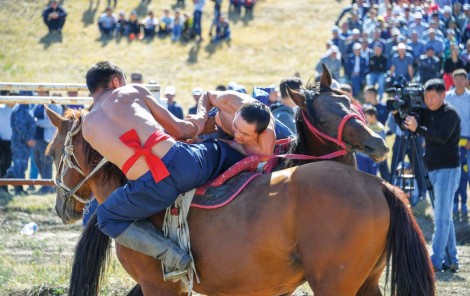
(231, 101)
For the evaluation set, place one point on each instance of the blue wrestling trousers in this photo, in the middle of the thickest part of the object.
(190, 166)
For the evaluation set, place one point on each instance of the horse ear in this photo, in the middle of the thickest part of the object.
(326, 79)
(297, 97)
(55, 118)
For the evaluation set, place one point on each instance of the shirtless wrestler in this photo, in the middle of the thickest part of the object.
(245, 120)
(125, 126)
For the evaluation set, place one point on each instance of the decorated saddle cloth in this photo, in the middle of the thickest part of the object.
(225, 188)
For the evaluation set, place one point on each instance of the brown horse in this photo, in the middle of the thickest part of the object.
(324, 222)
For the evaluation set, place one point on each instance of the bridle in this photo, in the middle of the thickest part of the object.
(339, 138)
(68, 160)
(322, 136)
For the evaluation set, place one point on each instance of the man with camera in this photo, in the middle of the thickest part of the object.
(440, 127)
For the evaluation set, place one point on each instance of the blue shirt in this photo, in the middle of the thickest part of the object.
(417, 48)
(462, 104)
(176, 110)
(401, 65)
(437, 45)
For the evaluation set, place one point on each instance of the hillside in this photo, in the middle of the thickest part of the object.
(283, 37)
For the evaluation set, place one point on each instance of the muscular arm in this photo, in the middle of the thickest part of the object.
(180, 129)
(227, 101)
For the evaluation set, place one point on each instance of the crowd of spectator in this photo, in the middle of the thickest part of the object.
(177, 24)
(372, 43)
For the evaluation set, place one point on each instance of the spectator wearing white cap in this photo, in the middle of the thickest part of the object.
(370, 22)
(355, 38)
(361, 8)
(391, 43)
(419, 25)
(446, 15)
(354, 22)
(197, 92)
(173, 107)
(338, 40)
(448, 41)
(377, 39)
(355, 69)
(416, 45)
(402, 63)
(332, 59)
(435, 42)
(463, 20)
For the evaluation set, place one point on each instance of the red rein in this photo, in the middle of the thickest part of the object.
(338, 141)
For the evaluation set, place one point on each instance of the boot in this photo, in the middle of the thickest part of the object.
(143, 237)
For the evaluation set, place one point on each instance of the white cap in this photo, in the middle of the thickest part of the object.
(197, 91)
(356, 31)
(401, 46)
(169, 90)
(418, 15)
(357, 46)
(447, 9)
(395, 31)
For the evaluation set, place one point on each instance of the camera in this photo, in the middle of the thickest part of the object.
(408, 98)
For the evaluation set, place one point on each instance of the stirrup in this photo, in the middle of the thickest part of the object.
(175, 276)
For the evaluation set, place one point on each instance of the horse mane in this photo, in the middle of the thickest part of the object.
(111, 173)
(299, 146)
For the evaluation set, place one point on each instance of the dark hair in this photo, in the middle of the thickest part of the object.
(372, 111)
(293, 83)
(222, 87)
(435, 84)
(256, 112)
(101, 74)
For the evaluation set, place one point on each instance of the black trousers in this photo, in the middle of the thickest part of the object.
(5, 159)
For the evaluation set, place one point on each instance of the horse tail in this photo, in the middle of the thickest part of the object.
(136, 291)
(412, 272)
(92, 255)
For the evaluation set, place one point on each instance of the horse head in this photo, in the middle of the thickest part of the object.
(78, 167)
(328, 120)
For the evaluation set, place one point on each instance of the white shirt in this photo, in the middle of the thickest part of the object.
(5, 127)
(199, 5)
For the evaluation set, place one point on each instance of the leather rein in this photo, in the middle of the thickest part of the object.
(67, 161)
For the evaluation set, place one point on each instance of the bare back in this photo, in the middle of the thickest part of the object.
(229, 104)
(114, 113)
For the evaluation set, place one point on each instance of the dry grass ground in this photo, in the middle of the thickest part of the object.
(282, 38)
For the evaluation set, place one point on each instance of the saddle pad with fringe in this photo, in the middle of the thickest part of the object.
(213, 197)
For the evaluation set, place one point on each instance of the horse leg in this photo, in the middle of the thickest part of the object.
(371, 285)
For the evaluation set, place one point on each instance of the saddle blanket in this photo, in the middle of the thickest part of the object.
(227, 186)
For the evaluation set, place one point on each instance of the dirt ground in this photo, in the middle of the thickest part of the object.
(40, 264)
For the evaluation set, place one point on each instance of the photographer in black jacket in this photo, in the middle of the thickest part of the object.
(440, 127)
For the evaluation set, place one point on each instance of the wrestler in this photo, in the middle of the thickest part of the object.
(125, 126)
(244, 119)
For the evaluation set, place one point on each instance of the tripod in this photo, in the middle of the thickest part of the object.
(416, 162)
